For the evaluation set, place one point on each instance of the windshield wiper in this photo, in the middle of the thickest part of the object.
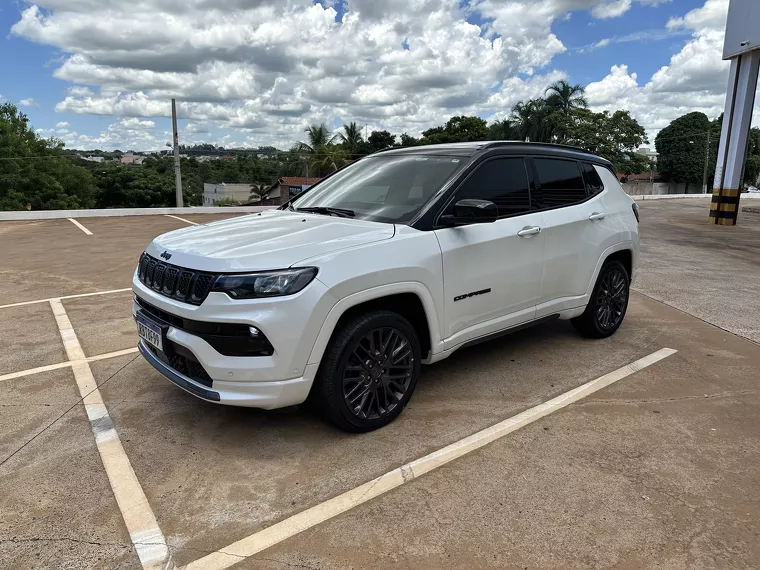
(328, 211)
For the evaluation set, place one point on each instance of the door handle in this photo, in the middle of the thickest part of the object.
(597, 216)
(528, 231)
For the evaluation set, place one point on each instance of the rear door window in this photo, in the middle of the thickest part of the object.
(593, 181)
(560, 182)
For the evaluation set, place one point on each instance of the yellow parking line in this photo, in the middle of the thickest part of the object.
(242, 549)
(80, 226)
(181, 219)
(141, 523)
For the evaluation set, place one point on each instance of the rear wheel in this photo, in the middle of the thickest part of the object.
(369, 371)
(608, 304)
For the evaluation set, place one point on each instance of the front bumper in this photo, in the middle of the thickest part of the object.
(281, 379)
(266, 395)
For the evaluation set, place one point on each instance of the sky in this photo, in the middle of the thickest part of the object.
(101, 73)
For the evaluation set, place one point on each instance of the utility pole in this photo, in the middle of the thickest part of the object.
(707, 159)
(177, 172)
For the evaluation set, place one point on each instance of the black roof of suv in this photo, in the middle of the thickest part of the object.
(475, 147)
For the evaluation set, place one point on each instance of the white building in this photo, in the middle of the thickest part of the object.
(130, 158)
(650, 153)
(213, 193)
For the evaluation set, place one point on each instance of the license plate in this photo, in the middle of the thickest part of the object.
(149, 332)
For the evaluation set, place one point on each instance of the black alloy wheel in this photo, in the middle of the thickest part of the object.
(612, 299)
(378, 373)
(368, 372)
(608, 303)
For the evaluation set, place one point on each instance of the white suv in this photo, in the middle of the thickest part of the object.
(394, 261)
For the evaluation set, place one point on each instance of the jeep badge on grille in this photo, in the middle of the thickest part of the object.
(166, 255)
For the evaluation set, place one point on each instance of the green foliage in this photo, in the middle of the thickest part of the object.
(36, 171)
(351, 138)
(408, 140)
(227, 202)
(565, 97)
(612, 136)
(504, 130)
(457, 129)
(681, 148)
(380, 140)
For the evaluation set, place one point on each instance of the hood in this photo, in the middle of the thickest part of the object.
(274, 239)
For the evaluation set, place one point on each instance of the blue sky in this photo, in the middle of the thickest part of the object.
(235, 100)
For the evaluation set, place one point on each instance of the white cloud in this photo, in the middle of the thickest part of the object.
(28, 102)
(264, 69)
(695, 79)
(62, 125)
(611, 9)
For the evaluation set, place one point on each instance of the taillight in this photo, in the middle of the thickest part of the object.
(635, 207)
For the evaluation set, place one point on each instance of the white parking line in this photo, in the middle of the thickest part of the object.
(22, 303)
(141, 523)
(66, 364)
(181, 219)
(80, 226)
(242, 549)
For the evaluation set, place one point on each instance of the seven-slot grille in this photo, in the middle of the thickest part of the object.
(175, 282)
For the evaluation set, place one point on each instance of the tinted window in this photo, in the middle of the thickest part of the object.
(561, 183)
(503, 181)
(383, 188)
(593, 182)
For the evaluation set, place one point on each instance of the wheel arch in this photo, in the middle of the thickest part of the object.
(625, 251)
(411, 300)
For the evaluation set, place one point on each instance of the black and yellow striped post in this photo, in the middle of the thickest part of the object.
(729, 170)
(724, 206)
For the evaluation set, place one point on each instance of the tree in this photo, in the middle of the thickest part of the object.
(258, 190)
(319, 136)
(464, 129)
(565, 97)
(503, 130)
(380, 140)
(37, 171)
(408, 140)
(351, 137)
(613, 136)
(533, 121)
(330, 158)
(461, 128)
(681, 148)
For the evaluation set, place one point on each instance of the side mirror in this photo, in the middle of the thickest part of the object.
(471, 211)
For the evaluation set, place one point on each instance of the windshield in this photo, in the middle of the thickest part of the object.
(383, 188)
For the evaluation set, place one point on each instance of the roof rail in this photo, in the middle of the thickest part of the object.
(552, 145)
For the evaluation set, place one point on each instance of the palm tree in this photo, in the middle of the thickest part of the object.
(531, 120)
(258, 189)
(566, 97)
(319, 136)
(351, 136)
(328, 159)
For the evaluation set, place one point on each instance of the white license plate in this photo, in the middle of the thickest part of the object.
(149, 332)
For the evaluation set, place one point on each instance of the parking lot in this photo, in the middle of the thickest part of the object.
(654, 465)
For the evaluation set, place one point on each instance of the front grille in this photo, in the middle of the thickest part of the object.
(178, 283)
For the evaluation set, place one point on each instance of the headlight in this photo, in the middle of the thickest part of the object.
(266, 283)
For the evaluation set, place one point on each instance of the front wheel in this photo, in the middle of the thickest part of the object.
(369, 371)
(608, 303)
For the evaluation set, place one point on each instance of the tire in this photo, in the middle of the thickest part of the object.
(388, 379)
(605, 312)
